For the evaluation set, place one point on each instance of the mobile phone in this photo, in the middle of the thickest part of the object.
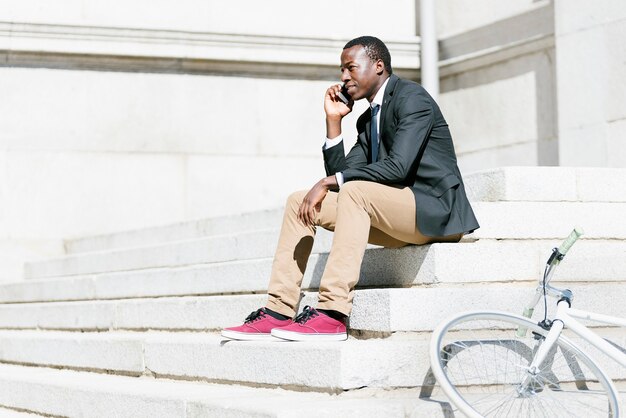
(343, 95)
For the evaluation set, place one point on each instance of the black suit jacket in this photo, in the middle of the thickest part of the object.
(416, 150)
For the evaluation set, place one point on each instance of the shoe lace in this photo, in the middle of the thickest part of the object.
(258, 314)
(306, 314)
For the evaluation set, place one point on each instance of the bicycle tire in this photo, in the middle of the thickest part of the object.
(479, 363)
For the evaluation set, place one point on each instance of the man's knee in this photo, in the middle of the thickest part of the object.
(356, 191)
(352, 187)
(295, 199)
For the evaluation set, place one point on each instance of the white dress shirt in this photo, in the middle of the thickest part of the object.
(378, 99)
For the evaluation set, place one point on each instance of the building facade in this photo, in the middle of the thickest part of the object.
(122, 115)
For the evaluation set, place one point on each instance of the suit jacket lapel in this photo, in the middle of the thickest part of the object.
(368, 135)
(391, 85)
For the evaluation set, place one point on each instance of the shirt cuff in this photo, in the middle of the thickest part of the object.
(339, 177)
(332, 142)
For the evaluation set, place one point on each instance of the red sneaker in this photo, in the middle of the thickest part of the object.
(257, 326)
(312, 325)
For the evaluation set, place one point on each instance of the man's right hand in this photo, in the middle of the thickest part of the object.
(333, 106)
(335, 110)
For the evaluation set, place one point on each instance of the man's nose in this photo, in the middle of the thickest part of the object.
(345, 76)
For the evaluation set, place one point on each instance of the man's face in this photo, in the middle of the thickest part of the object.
(360, 74)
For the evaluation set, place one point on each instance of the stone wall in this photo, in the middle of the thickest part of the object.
(498, 91)
(458, 16)
(124, 115)
(322, 18)
(591, 62)
(166, 111)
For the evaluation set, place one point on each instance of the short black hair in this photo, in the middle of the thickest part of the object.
(374, 48)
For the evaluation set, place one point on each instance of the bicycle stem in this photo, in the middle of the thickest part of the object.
(544, 288)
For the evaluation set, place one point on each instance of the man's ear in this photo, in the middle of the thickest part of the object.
(380, 67)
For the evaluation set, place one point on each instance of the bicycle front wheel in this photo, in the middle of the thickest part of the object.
(483, 367)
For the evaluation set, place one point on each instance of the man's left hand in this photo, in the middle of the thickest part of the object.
(313, 200)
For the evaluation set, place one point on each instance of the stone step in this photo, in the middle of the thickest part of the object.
(400, 360)
(547, 220)
(547, 184)
(375, 311)
(180, 231)
(239, 246)
(83, 394)
(325, 366)
(11, 413)
(477, 261)
(497, 219)
(558, 184)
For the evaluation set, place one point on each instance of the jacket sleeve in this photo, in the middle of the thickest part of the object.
(335, 159)
(415, 116)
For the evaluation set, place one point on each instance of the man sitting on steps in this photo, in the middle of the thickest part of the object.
(398, 185)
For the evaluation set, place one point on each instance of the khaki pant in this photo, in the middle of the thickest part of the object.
(361, 212)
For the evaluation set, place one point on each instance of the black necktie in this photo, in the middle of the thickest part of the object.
(374, 132)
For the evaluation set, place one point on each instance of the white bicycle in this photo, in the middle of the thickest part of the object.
(489, 365)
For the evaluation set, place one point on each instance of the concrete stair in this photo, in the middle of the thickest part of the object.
(492, 261)
(508, 184)
(548, 220)
(128, 324)
(84, 394)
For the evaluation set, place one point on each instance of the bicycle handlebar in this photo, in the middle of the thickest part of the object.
(569, 241)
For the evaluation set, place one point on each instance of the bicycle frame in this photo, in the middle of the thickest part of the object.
(565, 317)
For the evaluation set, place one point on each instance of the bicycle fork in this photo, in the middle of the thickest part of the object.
(527, 386)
